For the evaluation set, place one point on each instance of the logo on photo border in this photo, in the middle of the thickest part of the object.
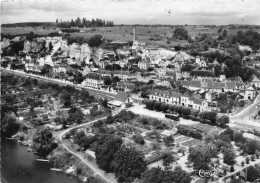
(205, 173)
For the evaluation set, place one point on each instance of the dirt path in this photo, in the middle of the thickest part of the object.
(233, 173)
(98, 171)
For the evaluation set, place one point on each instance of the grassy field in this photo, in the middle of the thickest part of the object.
(25, 30)
(206, 128)
(152, 35)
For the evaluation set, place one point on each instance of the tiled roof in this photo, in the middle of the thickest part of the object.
(253, 78)
(197, 101)
(170, 93)
(230, 85)
(240, 84)
(191, 83)
(121, 96)
(214, 85)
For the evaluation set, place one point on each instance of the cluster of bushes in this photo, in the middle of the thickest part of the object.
(138, 138)
(248, 146)
(157, 124)
(125, 162)
(189, 131)
(68, 30)
(158, 106)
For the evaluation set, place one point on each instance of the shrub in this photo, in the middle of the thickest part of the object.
(242, 163)
(139, 139)
(232, 169)
(168, 140)
(247, 160)
(78, 170)
(188, 131)
(192, 117)
(252, 158)
(222, 121)
(195, 112)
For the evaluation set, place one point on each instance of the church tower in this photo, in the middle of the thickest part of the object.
(134, 34)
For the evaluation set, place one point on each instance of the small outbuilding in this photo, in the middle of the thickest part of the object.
(121, 101)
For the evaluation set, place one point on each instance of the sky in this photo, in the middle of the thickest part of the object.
(172, 12)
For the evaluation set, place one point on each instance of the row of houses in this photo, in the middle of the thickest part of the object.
(175, 98)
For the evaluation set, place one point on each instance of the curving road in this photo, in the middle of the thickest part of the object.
(109, 178)
(243, 118)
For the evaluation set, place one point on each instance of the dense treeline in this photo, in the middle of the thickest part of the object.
(85, 23)
(69, 30)
(29, 24)
(250, 38)
(30, 36)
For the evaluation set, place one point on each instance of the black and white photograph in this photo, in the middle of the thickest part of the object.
(130, 91)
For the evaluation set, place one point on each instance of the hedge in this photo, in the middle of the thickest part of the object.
(191, 132)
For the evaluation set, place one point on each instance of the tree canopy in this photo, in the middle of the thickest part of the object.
(105, 149)
(181, 33)
(201, 155)
(157, 175)
(128, 164)
(44, 142)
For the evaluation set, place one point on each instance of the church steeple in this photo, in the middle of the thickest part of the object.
(134, 34)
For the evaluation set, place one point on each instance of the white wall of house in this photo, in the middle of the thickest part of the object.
(92, 83)
(249, 94)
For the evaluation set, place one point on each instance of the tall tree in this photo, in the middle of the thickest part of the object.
(154, 175)
(44, 142)
(229, 156)
(128, 164)
(222, 121)
(201, 155)
(105, 149)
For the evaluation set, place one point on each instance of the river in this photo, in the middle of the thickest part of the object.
(20, 166)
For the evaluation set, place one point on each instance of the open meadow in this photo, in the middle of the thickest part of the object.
(152, 35)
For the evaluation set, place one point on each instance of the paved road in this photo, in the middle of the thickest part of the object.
(244, 118)
(250, 110)
(107, 177)
(51, 80)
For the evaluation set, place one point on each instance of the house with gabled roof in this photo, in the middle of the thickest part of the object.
(210, 96)
(191, 85)
(167, 96)
(250, 93)
(143, 64)
(170, 83)
(121, 101)
(255, 81)
(124, 75)
(126, 86)
(214, 86)
(93, 80)
(195, 103)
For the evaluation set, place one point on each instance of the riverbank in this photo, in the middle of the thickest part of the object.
(19, 166)
(59, 159)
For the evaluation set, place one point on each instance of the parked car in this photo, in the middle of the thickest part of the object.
(173, 116)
